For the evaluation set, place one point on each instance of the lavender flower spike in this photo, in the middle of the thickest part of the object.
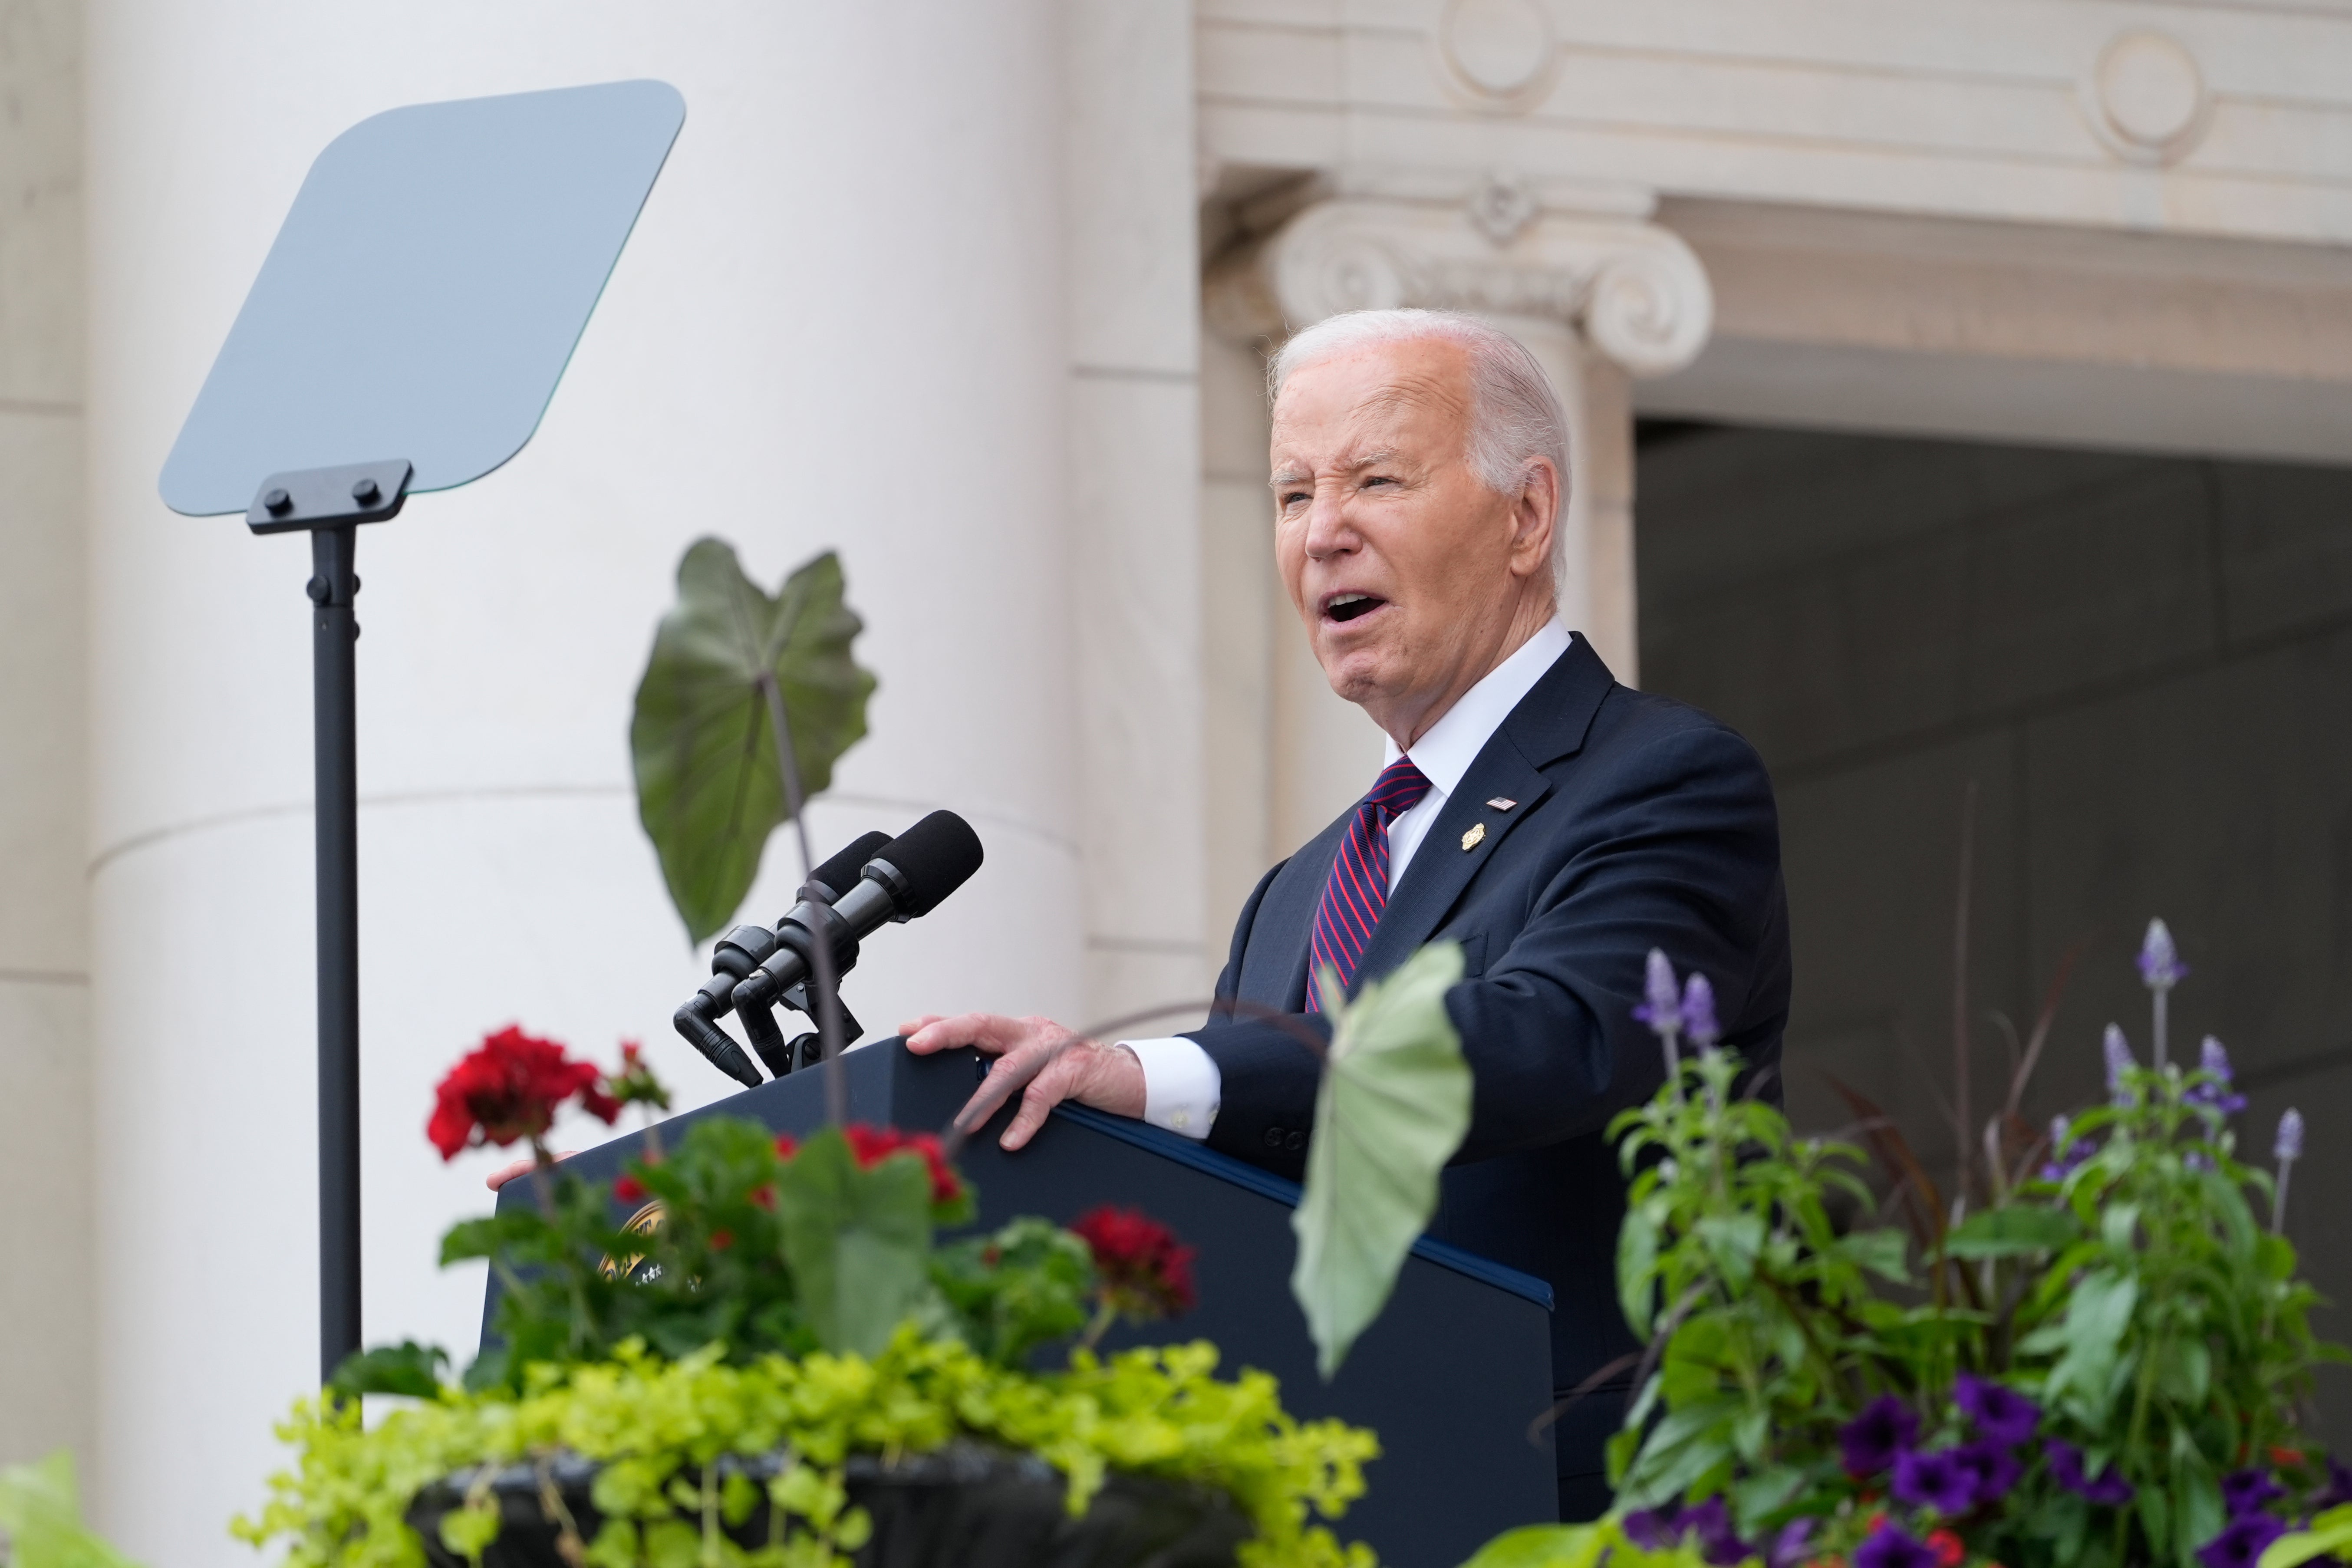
(2159, 960)
(2120, 1061)
(2160, 967)
(2286, 1150)
(1662, 1009)
(1698, 1012)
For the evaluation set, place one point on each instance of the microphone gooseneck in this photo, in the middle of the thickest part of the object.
(741, 950)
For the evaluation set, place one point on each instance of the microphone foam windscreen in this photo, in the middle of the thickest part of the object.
(936, 856)
(840, 873)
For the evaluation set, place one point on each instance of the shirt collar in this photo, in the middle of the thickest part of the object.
(1453, 743)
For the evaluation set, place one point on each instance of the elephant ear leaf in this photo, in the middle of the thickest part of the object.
(1393, 1106)
(710, 787)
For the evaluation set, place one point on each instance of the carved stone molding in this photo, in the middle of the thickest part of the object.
(1634, 289)
(2145, 98)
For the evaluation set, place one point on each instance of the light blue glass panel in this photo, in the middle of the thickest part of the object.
(425, 291)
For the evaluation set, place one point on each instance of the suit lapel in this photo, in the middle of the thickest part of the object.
(1548, 723)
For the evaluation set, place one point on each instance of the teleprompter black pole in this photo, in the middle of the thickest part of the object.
(334, 634)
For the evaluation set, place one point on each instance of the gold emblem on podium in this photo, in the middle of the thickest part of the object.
(645, 1222)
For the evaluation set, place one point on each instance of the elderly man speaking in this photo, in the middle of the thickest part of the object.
(1557, 824)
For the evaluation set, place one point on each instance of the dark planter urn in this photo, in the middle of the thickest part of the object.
(966, 1506)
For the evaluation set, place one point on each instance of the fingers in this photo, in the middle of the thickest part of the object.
(913, 1026)
(989, 1032)
(505, 1173)
(1045, 1092)
(1009, 1075)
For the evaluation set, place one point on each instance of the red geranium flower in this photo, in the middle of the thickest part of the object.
(1947, 1547)
(509, 1087)
(1144, 1270)
(628, 1189)
(870, 1146)
(786, 1146)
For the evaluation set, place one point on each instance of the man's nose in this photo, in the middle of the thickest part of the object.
(1328, 530)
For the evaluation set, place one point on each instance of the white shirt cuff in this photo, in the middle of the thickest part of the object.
(1181, 1085)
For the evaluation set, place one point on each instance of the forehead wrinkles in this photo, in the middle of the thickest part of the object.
(1369, 429)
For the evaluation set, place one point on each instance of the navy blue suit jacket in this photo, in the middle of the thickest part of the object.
(1637, 823)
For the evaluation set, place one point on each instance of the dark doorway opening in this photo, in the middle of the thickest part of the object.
(2144, 666)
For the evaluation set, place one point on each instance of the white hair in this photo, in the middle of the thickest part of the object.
(1515, 415)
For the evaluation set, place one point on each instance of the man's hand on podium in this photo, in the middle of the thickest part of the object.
(505, 1173)
(1038, 1058)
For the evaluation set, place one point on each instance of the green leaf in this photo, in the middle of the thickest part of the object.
(2331, 1532)
(1637, 1266)
(2092, 1330)
(2017, 1229)
(1883, 1252)
(709, 790)
(406, 1368)
(40, 1515)
(1393, 1106)
(858, 1241)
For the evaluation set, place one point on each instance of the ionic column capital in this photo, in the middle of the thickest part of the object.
(1633, 289)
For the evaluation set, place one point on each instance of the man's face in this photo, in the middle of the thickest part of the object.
(1409, 572)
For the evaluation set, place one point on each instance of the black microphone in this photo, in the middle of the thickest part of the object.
(904, 878)
(744, 947)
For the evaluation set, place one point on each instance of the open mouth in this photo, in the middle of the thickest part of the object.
(1350, 606)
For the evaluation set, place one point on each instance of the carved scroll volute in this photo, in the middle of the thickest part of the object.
(1634, 289)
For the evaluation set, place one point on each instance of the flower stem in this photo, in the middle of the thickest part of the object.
(1104, 1316)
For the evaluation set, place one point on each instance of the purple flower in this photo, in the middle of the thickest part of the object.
(1892, 1546)
(1663, 1006)
(1710, 1523)
(1698, 1011)
(2109, 1489)
(2120, 1061)
(2066, 1156)
(1872, 1440)
(1935, 1481)
(1653, 1529)
(2159, 960)
(1992, 1469)
(2241, 1542)
(2339, 1486)
(2198, 1161)
(2248, 1491)
(2002, 1415)
(1787, 1548)
(2290, 1136)
(2214, 1059)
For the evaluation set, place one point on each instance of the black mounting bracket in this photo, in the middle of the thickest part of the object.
(329, 498)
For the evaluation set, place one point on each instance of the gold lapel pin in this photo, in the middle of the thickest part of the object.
(1502, 802)
(1477, 834)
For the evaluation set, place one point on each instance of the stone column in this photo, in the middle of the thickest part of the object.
(1134, 466)
(840, 323)
(46, 1366)
(1599, 297)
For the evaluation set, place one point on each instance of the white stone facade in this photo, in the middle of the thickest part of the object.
(975, 293)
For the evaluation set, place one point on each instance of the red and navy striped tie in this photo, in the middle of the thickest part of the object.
(1359, 885)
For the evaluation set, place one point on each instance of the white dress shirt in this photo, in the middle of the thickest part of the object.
(1181, 1082)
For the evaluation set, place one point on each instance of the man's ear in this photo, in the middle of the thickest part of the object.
(1535, 519)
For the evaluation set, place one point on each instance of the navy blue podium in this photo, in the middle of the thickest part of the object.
(1451, 1376)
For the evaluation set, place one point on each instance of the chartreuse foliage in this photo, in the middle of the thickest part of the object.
(710, 788)
(40, 1519)
(655, 1425)
(2330, 1535)
(1582, 1546)
(1393, 1106)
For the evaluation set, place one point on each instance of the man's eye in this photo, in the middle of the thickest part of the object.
(1292, 498)
(1377, 479)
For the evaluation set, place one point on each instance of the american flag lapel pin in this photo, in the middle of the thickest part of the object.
(1502, 802)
